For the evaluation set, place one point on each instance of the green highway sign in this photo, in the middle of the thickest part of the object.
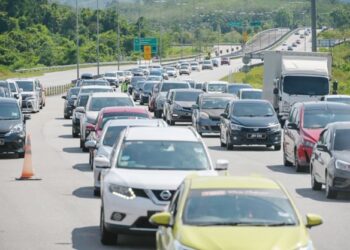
(147, 41)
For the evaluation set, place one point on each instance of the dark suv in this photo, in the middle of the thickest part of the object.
(12, 127)
(303, 127)
(250, 122)
(70, 98)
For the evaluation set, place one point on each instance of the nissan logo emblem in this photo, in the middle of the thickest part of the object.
(165, 195)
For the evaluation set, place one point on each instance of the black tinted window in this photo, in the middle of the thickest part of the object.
(303, 85)
(252, 109)
(342, 139)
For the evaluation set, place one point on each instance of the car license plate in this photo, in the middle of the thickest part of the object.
(256, 136)
(2, 142)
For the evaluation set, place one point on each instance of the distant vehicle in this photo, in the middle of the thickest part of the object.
(128, 76)
(207, 110)
(291, 77)
(178, 106)
(203, 207)
(78, 113)
(298, 41)
(110, 135)
(147, 91)
(160, 97)
(13, 127)
(70, 98)
(207, 64)
(86, 76)
(198, 85)
(16, 91)
(225, 60)
(6, 89)
(153, 162)
(112, 78)
(330, 160)
(190, 81)
(121, 76)
(290, 48)
(137, 90)
(337, 98)
(134, 81)
(171, 71)
(195, 66)
(95, 89)
(250, 122)
(94, 82)
(30, 94)
(233, 88)
(296, 33)
(145, 69)
(185, 69)
(284, 44)
(303, 128)
(154, 78)
(215, 87)
(96, 102)
(216, 61)
(250, 93)
(294, 44)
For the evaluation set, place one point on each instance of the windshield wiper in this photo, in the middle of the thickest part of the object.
(242, 223)
(280, 224)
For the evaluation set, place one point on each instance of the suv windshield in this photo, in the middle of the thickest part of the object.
(216, 87)
(214, 103)
(99, 103)
(251, 95)
(342, 139)
(234, 88)
(316, 119)
(167, 86)
(163, 155)
(304, 85)
(112, 135)
(238, 207)
(252, 109)
(186, 96)
(9, 111)
(27, 86)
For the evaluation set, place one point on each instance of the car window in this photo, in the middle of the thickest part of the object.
(342, 139)
(9, 111)
(98, 103)
(227, 109)
(323, 137)
(291, 114)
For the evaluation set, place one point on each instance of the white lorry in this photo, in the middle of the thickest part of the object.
(291, 77)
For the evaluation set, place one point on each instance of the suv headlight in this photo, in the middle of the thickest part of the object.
(122, 191)
(179, 246)
(235, 127)
(275, 127)
(204, 115)
(16, 129)
(342, 165)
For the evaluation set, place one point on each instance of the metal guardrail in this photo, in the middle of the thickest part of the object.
(57, 89)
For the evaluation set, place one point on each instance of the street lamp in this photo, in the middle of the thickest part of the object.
(98, 38)
(160, 30)
(77, 37)
(118, 34)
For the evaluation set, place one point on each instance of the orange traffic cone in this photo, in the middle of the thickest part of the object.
(27, 172)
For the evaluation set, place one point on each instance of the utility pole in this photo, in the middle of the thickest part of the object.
(77, 37)
(139, 30)
(98, 39)
(313, 25)
(118, 35)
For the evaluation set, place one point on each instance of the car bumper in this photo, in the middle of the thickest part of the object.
(249, 138)
(208, 126)
(181, 115)
(13, 143)
(304, 155)
(135, 212)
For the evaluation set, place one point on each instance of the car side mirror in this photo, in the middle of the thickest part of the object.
(292, 125)
(16, 96)
(275, 91)
(221, 165)
(80, 109)
(224, 115)
(102, 161)
(64, 97)
(91, 144)
(195, 106)
(322, 147)
(313, 220)
(161, 219)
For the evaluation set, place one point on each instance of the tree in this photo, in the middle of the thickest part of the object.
(283, 18)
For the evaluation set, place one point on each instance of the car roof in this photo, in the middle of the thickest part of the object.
(170, 82)
(186, 90)
(216, 82)
(208, 95)
(161, 134)
(108, 94)
(123, 109)
(96, 87)
(339, 125)
(239, 182)
(132, 122)
(7, 100)
(317, 105)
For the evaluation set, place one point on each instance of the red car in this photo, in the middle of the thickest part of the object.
(110, 113)
(302, 129)
(225, 60)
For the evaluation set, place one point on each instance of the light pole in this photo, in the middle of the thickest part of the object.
(98, 39)
(160, 30)
(182, 22)
(313, 25)
(139, 29)
(118, 35)
(77, 37)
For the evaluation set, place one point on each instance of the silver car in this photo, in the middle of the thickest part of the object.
(30, 94)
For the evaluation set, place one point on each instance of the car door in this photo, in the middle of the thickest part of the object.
(287, 140)
(317, 157)
(196, 113)
(325, 156)
(38, 91)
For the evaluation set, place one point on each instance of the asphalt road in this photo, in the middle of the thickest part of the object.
(60, 211)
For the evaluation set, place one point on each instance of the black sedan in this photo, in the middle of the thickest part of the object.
(330, 160)
(70, 98)
(12, 127)
(250, 122)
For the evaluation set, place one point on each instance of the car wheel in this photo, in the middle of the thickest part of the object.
(107, 238)
(156, 114)
(298, 167)
(277, 147)
(315, 185)
(330, 192)
(66, 116)
(90, 159)
(21, 155)
(229, 145)
(96, 192)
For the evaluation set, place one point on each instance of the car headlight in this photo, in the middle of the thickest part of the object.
(179, 246)
(204, 115)
(342, 165)
(16, 129)
(309, 246)
(308, 144)
(122, 191)
(235, 126)
(275, 127)
(177, 106)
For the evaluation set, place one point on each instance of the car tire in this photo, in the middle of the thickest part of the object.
(298, 167)
(277, 147)
(66, 116)
(330, 192)
(315, 185)
(81, 143)
(20, 155)
(107, 238)
(229, 145)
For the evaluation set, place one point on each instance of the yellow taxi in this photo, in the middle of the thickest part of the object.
(228, 213)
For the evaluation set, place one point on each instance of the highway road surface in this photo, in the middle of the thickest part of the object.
(60, 211)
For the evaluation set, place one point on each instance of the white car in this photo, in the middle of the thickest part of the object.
(110, 135)
(337, 98)
(147, 166)
(30, 91)
(250, 93)
(215, 87)
(112, 78)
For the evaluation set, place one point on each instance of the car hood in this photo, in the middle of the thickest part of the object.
(256, 121)
(213, 113)
(312, 134)
(185, 104)
(342, 155)
(243, 237)
(150, 179)
(6, 125)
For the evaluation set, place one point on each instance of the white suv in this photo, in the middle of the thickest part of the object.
(147, 166)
